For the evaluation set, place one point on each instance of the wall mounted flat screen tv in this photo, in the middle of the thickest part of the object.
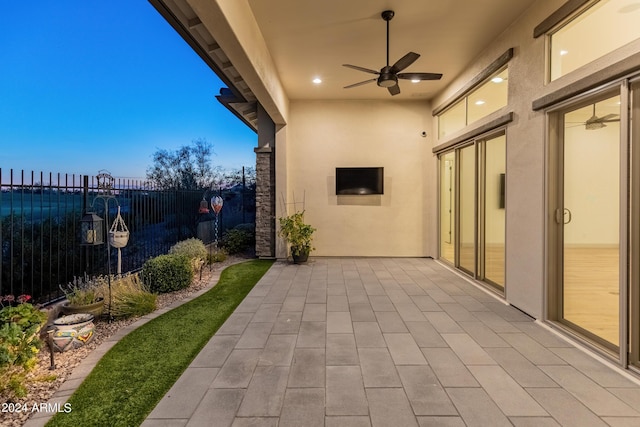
(359, 181)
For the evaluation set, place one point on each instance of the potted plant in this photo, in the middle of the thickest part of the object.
(83, 296)
(298, 234)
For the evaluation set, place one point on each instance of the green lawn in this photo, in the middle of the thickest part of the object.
(137, 372)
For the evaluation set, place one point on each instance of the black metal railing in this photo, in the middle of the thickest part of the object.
(40, 226)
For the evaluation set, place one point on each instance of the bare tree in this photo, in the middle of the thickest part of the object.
(188, 167)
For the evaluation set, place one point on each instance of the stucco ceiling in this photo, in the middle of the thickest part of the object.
(313, 39)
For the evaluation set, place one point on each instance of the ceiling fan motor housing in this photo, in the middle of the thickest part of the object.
(387, 77)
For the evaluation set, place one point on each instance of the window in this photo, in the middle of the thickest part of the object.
(488, 97)
(602, 27)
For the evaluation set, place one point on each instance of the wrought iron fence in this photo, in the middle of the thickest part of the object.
(40, 226)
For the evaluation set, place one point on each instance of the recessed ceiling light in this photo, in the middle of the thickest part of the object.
(415, 80)
(317, 80)
(497, 79)
(563, 52)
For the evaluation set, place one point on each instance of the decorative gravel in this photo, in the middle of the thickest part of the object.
(43, 383)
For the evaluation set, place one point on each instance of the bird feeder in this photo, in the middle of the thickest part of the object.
(91, 230)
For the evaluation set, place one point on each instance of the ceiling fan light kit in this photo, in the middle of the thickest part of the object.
(389, 74)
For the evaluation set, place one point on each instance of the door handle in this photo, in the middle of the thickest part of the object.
(561, 214)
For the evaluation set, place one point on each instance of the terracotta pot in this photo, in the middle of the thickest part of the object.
(72, 331)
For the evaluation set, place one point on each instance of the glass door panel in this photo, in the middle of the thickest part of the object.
(589, 219)
(447, 206)
(494, 210)
(467, 210)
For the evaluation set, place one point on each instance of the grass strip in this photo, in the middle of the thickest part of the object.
(137, 372)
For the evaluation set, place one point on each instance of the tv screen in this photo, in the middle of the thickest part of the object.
(359, 181)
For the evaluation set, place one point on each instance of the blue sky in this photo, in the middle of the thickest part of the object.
(88, 85)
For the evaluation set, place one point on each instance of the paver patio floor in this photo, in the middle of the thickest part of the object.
(389, 342)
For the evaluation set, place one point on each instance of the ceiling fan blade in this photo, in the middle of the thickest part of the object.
(420, 76)
(366, 70)
(360, 83)
(394, 90)
(404, 62)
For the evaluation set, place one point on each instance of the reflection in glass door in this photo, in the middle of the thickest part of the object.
(467, 209)
(447, 206)
(589, 220)
(492, 238)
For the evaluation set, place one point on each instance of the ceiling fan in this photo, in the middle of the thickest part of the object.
(389, 75)
(594, 122)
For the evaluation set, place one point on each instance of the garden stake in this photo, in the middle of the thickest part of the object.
(50, 343)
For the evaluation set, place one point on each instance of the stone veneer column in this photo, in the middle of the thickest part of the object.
(265, 202)
(265, 186)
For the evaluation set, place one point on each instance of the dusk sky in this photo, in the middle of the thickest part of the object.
(87, 85)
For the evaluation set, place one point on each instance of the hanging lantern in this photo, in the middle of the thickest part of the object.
(91, 230)
(204, 208)
(216, 204)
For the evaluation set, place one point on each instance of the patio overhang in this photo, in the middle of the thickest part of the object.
(211, 30)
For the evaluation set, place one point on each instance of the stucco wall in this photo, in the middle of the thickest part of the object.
(323, 135)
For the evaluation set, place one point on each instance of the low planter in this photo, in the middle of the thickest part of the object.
(95, 308)
(72, 331)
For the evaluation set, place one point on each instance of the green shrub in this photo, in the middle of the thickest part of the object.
(238, 240)
(219, 256)
(19, 344)
(167, 273)
(192, 248)
(248, 226)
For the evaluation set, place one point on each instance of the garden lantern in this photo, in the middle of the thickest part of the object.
(204, 207)
(91, 230)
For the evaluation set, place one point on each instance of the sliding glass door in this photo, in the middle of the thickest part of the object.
(472, 208)
(589, 218)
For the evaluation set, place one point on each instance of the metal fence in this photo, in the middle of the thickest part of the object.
(40, 226)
